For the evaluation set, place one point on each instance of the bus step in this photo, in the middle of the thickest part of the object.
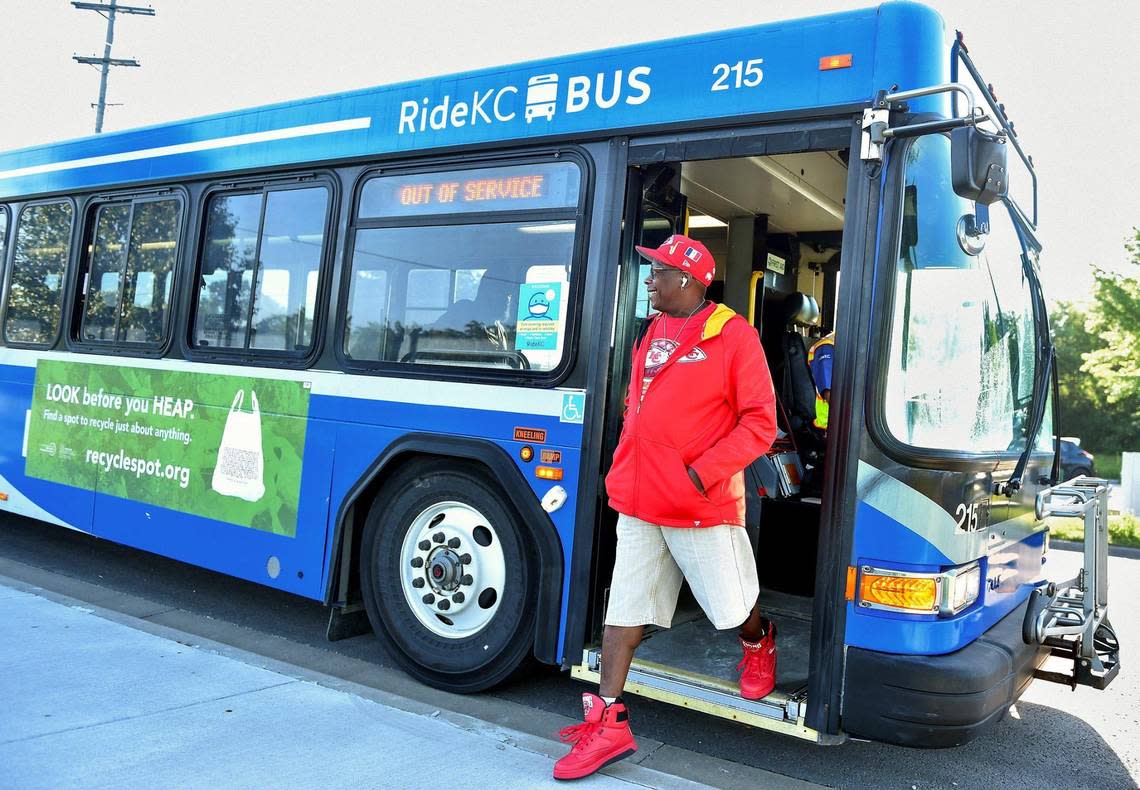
(778, 711)
(347, 621)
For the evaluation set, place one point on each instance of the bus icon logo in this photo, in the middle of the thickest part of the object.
(541, 96)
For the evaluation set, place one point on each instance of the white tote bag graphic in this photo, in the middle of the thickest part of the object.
(240, 471)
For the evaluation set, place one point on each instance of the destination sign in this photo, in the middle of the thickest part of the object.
(537, 186)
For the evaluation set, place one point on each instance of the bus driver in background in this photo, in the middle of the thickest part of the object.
(700, 407)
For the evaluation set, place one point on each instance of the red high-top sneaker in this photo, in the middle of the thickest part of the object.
(602, 739)
(758, 667)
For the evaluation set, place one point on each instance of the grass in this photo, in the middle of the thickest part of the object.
(1122, 530)
(1107, 465)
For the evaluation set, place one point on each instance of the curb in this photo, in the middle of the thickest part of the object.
(513, 724)
(1130, 552)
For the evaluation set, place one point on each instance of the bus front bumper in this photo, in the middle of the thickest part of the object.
(939, 701)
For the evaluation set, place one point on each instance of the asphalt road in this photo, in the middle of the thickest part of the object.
(1054, 737)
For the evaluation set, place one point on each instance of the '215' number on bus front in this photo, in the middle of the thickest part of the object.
(747, 74)
(968, 516)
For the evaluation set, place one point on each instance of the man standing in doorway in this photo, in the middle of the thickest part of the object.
(700, 408)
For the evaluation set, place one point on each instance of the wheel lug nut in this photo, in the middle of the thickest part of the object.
(444, 604)
(424, 545)
(467, 580)
(459, 597)
(417, 582)
(417, 562)
(438, 537)
(465, 559)
(453, 543)
(429, 599)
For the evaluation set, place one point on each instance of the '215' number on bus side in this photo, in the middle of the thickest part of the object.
(748, 74)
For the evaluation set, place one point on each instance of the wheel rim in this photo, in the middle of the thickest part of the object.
(452, 569)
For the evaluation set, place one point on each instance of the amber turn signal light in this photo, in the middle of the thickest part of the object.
(894, 591)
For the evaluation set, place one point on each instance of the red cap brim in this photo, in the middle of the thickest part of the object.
(654, 255)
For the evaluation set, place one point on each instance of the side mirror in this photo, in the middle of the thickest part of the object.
(978, 165)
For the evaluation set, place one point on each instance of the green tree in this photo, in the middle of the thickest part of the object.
(1115, 318)
(1098, 359)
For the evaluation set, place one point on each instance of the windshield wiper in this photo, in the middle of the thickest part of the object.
(1042, 376)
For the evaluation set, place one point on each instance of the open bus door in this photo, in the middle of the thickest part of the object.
(666, 668)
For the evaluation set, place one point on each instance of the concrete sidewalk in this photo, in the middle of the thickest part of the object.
(86, 701)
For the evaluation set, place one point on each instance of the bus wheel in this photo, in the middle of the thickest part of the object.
(446, 579)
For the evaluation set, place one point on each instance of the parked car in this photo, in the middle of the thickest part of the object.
(1074, 460)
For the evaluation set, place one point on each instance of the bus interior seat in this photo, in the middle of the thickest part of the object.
(795, 386)
(456, 317)
(472, 326)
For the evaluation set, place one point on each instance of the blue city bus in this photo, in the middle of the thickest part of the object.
(370, 349)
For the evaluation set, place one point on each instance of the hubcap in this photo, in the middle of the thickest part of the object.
(452, 569)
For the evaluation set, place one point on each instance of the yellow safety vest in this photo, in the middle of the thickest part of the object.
(821, 406)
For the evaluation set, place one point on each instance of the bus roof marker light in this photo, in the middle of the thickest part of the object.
(832, 62)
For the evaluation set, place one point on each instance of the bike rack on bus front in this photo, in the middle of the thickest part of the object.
(1071, 618)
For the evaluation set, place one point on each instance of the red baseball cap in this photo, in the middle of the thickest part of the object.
(685, 254)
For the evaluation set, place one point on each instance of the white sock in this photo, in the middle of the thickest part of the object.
(609, 700)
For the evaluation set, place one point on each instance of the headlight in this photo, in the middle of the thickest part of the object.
(963, 584)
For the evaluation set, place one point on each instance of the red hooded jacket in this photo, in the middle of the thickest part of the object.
(716, 415)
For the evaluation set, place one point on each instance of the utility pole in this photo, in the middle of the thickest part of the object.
(108, 10)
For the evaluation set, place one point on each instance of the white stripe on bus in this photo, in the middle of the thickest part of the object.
(22, 505)
(456, 394)
(287, 133)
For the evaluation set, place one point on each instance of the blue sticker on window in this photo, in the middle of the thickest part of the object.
(538, 316)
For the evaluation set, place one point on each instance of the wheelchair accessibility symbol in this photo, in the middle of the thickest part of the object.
(573, 406)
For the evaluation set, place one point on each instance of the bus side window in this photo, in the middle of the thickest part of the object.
(367, 331)
(132, 246)
(448, 270)
(39, 261)
(260, 270)
(290, 262)
(3, 242)
(456, 294)
(427, 298)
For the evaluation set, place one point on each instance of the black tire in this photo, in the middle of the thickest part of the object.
(471, 663)
(1078, 471)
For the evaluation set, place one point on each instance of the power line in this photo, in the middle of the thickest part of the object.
(108, 10)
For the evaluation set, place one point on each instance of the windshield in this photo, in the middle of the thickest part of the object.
(962, 346)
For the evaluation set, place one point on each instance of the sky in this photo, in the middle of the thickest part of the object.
(1066, 71)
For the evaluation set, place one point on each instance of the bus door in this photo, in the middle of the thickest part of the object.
(738, 205)
(654, 209)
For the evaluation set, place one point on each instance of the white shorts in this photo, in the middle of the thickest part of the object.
(716, 561)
